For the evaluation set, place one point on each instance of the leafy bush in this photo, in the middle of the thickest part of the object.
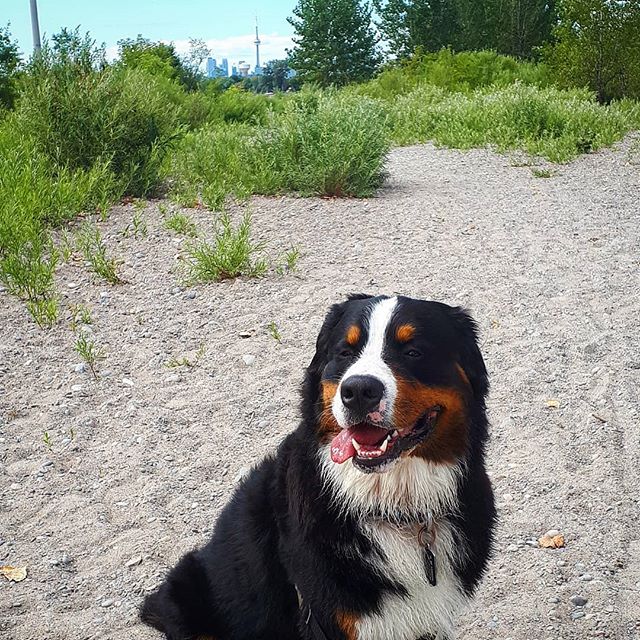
(463, 71)
(556, 124)
(78, 115)
(332, 144)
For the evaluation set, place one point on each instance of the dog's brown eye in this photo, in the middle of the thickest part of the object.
(412, 353)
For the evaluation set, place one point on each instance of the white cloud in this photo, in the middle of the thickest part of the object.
(235, 48)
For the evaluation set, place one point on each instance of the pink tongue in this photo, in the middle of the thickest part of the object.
(341, 446)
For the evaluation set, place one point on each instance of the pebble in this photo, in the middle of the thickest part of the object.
(190, 295)
(578, 601)
(577, 614)
(586, 577)
(127, 382)
(80, 368)
(248, 359)
(553, 600)
(72, 285)
(552, 533)
(174, 377)
(106, 603)
(134, 561)
(77, 388)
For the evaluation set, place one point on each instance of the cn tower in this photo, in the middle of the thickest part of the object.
(257, 43)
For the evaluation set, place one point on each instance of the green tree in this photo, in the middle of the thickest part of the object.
(161, 59)
(512, 27)
(275, 75)
(597, 44)
(409, 24)
(335, 42)
(9, 63)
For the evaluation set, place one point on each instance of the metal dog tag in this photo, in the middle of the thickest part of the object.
(430, 566)
(425, 539)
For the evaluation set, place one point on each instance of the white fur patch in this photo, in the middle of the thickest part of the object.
(410, 486)
(427, 609)
(370, 361)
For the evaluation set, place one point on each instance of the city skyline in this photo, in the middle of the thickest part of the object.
(229, 31)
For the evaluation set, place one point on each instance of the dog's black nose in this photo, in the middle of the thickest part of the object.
(361, 394)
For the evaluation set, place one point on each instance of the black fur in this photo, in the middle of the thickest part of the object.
(280, 529)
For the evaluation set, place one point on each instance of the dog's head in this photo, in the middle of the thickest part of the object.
(395, 377)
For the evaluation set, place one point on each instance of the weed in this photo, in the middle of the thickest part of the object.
(138, 226)
(90, 244)
(46, 438)
(230, 254)
(65, 246)
(182, 224)
(88, 350)
(289, 261)
(542, 173)
(44, 310)
(80, 314)
(172, 363)
(274, 332)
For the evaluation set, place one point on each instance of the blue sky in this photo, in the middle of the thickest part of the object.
(227, 26)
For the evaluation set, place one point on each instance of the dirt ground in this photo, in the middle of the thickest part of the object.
(136, 464)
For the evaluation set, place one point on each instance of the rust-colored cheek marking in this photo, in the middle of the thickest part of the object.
(353, 335)
(448, 442)
(463, 374)
(327, 426)
(347, 623)
(405, 332)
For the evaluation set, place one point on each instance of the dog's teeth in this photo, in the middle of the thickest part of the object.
(356, 445)
(383, 446)
(394, 433)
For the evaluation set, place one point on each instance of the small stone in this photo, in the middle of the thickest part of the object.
(174, 377)
(134, 561)
(578, 601)
(552, 533)
(586, 577)
(553, 600)
(80, 368)
(512, 548)
(245, 334)
(190, 295)
(15, 486)
(127, 382)
(169, 458)
(106, 603)
(77, 388)
(105, 373)
(248, 359)
(72, 285)
(577, 614)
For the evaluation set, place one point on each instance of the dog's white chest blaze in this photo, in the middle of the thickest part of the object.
(410, 486)
(427, 609)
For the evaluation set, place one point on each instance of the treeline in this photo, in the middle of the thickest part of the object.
(588, 43)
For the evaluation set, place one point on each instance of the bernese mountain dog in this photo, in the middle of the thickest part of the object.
(373, 520)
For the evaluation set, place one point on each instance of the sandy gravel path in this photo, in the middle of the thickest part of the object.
(141, 460)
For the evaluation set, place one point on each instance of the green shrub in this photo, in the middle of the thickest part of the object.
(78, 116)
(552, 123)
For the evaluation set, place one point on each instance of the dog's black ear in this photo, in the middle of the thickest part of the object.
(322, 343)
(470, 357)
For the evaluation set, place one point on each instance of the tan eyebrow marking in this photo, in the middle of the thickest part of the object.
(353, 335)
(405, 332)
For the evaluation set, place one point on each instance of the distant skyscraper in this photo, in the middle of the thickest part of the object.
(211, 67)
(234, 70)
(225, 66)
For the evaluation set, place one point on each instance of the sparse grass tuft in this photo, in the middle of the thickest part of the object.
(138, 226)
(230, 254)
(88, 350)
(274, 332)
(80, 314)
(182, 224)
(542, 173)
(90, 244)
(44, 310)
(48, 442)
(288, 261)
